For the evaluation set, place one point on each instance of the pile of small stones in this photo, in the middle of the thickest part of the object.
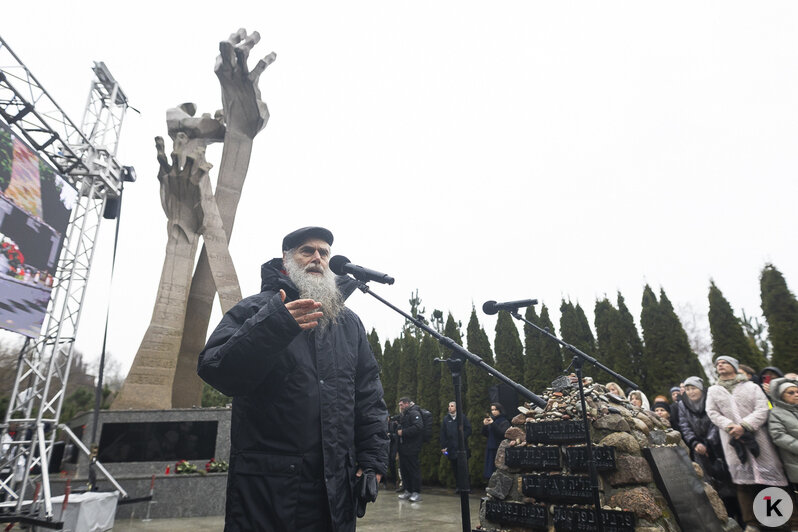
(614, 421)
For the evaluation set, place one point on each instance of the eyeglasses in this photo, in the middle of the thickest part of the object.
(309, 251)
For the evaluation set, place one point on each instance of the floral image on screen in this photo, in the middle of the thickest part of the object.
(35, 207)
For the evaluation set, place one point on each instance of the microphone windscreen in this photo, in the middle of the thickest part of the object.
(489, 307)
(337, 264)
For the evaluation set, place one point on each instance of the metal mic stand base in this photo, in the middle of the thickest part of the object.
(463, 484)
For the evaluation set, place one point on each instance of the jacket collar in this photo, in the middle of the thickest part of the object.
(273, 277)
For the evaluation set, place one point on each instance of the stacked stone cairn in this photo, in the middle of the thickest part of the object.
(544, 485)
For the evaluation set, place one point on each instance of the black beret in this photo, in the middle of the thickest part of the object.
(298, 237)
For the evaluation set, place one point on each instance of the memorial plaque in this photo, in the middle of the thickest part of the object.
(684, 491)
(543, 458)
(584, 520)
(532, 516)
(555, 432)
(557, 488)
(604, 457)
(163, 441)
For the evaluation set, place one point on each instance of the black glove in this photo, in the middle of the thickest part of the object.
(365, 490)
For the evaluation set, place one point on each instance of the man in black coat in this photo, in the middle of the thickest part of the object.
(308, 415)
(450, 440)
(411, 436)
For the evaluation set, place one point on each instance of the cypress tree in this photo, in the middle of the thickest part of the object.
(781, 311)
(618, 344)
(374, 343)
(609, 336)
(728, 337)
(531, 350)
(509, 350)
(681, 342)
(408, 359)
(552, 362)
(477, 398)
(541, 366)
(575, 330)
(668, 356)
(407, 383)
(635, 345)
(389, 374)
(428, 397)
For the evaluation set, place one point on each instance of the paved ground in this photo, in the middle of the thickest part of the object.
(439, 511)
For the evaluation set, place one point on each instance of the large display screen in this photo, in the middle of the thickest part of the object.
(35, 207)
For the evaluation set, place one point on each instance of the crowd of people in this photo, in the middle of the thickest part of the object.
(742, 431)
(304, 459)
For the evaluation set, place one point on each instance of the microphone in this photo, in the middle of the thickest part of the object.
(491, 307)
(340, 265)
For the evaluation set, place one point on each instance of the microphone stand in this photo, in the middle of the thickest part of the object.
(455, 364)
(579, 358)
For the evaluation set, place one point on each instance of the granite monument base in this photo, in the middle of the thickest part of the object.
(134, 445)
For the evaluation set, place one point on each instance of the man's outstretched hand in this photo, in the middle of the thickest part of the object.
(304, 311)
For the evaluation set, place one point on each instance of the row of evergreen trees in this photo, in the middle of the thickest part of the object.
(660, 359)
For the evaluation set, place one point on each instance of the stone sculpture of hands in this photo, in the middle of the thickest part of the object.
(244, 112)
(180, 182)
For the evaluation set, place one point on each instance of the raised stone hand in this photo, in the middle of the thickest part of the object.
(244, 111)
(180, 182)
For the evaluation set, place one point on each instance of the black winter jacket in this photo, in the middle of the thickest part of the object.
(412, 426)
(295, 394)
(495, 431)
(449, 438)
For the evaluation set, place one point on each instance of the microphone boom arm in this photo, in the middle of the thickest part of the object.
(458, 349)
(576, 351)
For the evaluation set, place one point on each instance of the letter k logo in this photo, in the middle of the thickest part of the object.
(772, 507)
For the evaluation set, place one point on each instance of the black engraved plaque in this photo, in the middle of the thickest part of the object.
(584, 520)
(542, 458)
(684, 491)
(555, 432)
(532, 516)
(557, 488)
(603, 456)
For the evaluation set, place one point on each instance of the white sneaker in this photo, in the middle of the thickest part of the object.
(406, 495)
(415, 497)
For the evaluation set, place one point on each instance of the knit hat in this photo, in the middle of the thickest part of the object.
(660, 404)
(694, 381)
(731, 360)
(784, 385)
(675, 389)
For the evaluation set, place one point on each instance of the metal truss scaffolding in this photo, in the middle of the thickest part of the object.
(86, 157)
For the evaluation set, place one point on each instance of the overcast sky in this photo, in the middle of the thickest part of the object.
(472, 150)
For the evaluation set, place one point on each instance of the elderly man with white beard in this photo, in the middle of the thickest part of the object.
(308, 417)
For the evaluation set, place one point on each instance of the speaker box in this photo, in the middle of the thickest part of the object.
(112, 206)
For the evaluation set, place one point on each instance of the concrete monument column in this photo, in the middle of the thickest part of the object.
(163, 374)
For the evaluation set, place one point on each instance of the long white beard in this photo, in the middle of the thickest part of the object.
(318, 288)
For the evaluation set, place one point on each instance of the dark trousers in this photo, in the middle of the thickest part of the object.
(410, 466)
